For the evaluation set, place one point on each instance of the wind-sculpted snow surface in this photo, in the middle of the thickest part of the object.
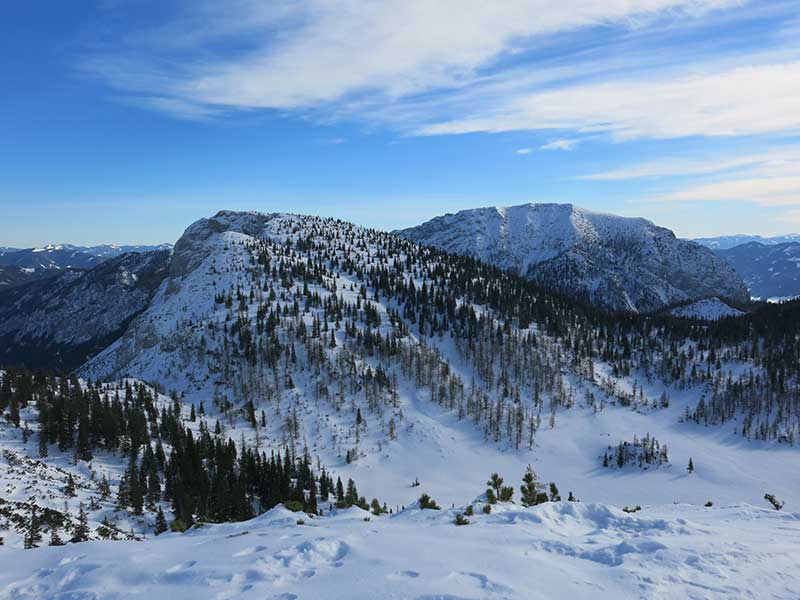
(620, 263)
(556, 550)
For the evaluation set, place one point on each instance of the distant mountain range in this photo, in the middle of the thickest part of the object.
(730, 241)
(585, 254)
(769, 266)
(618, 263)
(20, 266)
(59, 320)
(769, 270)
(62, 256)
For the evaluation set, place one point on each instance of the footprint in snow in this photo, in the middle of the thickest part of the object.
(249, 551)
(480, 580)
(400, 575)
(180, 573)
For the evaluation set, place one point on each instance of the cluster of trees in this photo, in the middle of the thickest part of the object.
(532, 492)
(37, 520)
(642, 452)
(202, 475)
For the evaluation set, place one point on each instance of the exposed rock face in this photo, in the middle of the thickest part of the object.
(200, 264)
(619, 263)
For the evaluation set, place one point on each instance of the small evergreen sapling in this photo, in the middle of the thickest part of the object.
(33, 535)
(554, 495)
(82, 530)
(55, 539)
(461, 519)
(426, 502)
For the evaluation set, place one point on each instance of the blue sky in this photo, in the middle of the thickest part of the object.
(124, 121)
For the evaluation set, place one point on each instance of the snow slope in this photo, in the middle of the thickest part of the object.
(621, 263)
(556, 550)
(708, 309)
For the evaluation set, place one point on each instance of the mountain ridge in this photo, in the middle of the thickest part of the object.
(620, 263)
(769, 270)
(725, 242)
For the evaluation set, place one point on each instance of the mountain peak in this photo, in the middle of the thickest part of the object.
(620, 263)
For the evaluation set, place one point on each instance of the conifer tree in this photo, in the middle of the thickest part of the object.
(495, 484)
(55, 539)
(161, 522)
(33, 535)
(529, 488)
(82, 529)
(554, 495)
(375, 506)
(43, 450)
(351, 496)
(311, 502)
(69, 487)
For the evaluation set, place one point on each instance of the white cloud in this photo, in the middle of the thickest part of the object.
(765, 162)
(311, 53)
(770, 178)
(738, 101)
(765, 191)
(560, 145)
(524, 151)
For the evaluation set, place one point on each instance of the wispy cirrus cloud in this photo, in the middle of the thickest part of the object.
(775, 161)
(739, 101)
(357, 58)
(764, 191)
(768, 178)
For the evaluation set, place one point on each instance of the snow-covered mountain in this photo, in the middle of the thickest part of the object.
(624, 264)
(768, 270)
(386, 359)
(730, 241)
(412, 371)
(56, 322)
